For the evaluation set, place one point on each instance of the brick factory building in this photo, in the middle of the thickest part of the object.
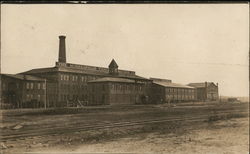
(164, 91)
(206, 91)
(70, 85)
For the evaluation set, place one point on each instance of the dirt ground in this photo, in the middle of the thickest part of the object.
(222, 137)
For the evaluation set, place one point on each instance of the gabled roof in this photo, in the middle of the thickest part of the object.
(24, 77)
(172, 85)
(41, 70)
(200, 84)
(112, 79)
(161, 80)
(113, 64)
(85, 69)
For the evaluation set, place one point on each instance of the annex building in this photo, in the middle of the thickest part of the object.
(71, 85)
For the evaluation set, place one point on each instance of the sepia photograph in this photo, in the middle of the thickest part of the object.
(124, 78)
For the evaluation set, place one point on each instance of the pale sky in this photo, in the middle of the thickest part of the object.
(182, 42)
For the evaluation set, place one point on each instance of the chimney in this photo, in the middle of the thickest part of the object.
(62, 49)
(206, 84)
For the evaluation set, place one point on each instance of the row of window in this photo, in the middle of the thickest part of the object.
(125, 87)
(75, 78)
(65, 97)
(179, 90)
(67, 87)
(31, 97)
(30, 85)
(117, 87)
(180, 96)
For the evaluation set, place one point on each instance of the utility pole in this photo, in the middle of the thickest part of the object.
(45, 94)
(1, 101)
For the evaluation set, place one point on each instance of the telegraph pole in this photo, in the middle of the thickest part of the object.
(45, 94)
(1, 101)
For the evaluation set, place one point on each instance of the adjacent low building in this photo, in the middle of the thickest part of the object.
(21, 91)
(206, 91)
(112, 90)
(164, 91)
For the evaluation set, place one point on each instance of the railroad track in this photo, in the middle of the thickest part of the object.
(108, 125)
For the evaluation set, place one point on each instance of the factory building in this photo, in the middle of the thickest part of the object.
(71, 85)
(110, 90)
(68, 84)
(164, 91)
(206, 91)
(21, 91)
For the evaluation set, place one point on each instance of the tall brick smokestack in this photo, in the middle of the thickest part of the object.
(62, 49)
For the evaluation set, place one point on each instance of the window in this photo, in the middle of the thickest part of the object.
(38, 86)
(43, 85)
(28, 97)
(31, 85)
(74, 78)
(62, 97)
(61, 77)
(65, 77)
(31, 96)
(38, 97)
(4, 86)
(27, 85)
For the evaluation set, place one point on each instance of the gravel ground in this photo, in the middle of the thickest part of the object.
(222, 137)
(227, 137)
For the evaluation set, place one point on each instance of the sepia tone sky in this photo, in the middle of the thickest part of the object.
(183, 42)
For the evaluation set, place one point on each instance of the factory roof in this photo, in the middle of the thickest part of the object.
(200, 84)
(112, 79)
(85, 69)
(24, 77)
(172, 85)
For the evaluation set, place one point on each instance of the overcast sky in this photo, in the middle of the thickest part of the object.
(185, 43)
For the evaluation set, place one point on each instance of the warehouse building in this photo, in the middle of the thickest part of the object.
(21, 91)
(110, 90)
(206, 91)
(164, 91)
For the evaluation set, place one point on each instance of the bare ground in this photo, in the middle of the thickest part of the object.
(222, 137)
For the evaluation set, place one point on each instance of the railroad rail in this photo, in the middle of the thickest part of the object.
(108, 125)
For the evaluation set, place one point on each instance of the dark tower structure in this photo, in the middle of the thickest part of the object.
(113, 68)
(62, 49)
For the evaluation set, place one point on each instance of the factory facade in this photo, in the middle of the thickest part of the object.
(70, 85)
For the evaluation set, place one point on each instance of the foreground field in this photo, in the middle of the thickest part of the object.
(220, 137)
(65, 129)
